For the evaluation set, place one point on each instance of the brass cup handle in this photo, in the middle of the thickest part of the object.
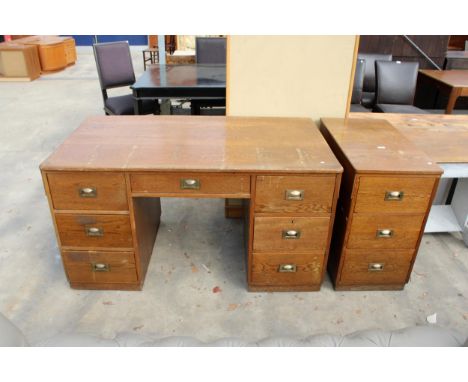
(87, 192)
(287, 268)
(294, 195)
(375, 267)
(291, 234)
(94, 231)
(100, 267)
(394, 196)
(190, 184)
(384, 233)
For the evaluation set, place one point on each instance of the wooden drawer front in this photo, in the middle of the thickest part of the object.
(404, 229)
(270, 234)
(80, 230)
(372, 192)
(366, 267)
(224, 184)
(102, 191)
(100, 267)
(287, 269)
(305, 194)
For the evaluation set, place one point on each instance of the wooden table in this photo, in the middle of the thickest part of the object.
(444, 138)
(193, 81)
(104, 183)
(454, 81)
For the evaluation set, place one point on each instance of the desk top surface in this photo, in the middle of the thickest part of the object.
(189, 75)
(377, 147)
(453, 78)
(444, 138)
(195, 143)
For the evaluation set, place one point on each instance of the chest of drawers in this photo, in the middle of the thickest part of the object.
(387, 190)
(104, 185)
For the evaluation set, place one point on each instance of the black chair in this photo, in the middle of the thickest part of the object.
(115, 69)
(368, 91)
(396, 86)
(209, 50)
(357, 87)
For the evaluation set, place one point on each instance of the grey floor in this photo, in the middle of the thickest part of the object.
(196, 250)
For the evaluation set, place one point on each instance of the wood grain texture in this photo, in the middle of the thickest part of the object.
(116, 231)
(308, 269)
(364, 227)
(444, 138)
(452, 78)
(372, 190)
(210, 184)
(268, 234)
(396, 266)
(195, 143)
(377, 147)
(111, 193)
(317, 195)
(79, 267)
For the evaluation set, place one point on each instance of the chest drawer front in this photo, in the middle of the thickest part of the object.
(290, 234)
(376, 268)
(111, 231)
(300, 194)
(100, 267)
(192, 183)
(393, 194)
(385, 231)
(282, 269)
(103, 191)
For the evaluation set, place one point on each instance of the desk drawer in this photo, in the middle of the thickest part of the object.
(94, 231)
(103, 191)
(290, 234)
(100, 267)
(287, 269)
(304, 194)
(393, 194)
(374, 268)
(228, 185)
(385, 231)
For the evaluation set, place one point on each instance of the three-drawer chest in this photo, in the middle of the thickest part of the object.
(386, 193)
(104, 185)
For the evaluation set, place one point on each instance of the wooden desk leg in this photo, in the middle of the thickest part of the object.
(137, 105)
(454, 94)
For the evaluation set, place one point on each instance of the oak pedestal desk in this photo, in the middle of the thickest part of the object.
(105, 181)
(387, 190)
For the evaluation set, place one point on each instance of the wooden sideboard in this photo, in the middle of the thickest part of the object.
(104, 185)
(387, 190)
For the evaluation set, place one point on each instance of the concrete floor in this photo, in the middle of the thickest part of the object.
(197, 249)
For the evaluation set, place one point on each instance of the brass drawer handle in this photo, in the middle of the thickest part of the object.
(94, 231)
(190, 184)
(100, 267)
(384, 233)
(87, 192)
(376, 267)
(294, 195)
(287, 268)
(394, 196)
(291, 234)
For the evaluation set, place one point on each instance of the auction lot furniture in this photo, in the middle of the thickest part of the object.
(388, 187)
(104, 183)
(195, 81)
(19, 62)
(444, 138)
(455, 82)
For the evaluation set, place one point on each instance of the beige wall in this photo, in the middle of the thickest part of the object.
(297, 76)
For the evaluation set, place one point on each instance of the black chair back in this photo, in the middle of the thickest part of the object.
(358, 81)
(369, 74)
(114, 64)
(396, 82)
(210, 50)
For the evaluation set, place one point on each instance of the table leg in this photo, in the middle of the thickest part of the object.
(454, 94)
(138, 106)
